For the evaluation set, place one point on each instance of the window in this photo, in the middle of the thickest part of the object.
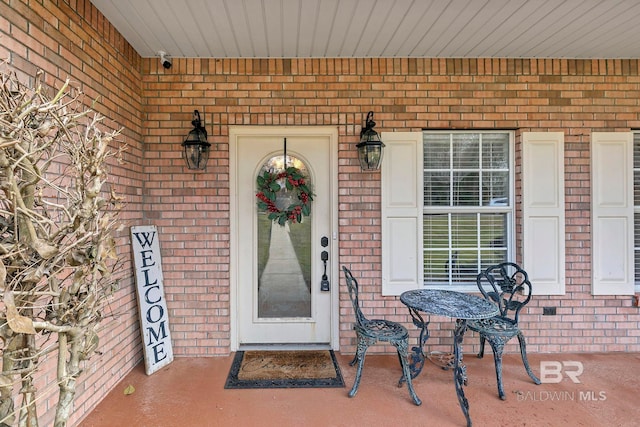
(448, 208)
(468, 204)
(636, 208)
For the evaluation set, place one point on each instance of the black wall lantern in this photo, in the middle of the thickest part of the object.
(370, 148)
(196, 147)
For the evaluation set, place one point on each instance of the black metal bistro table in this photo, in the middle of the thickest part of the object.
(455, 305)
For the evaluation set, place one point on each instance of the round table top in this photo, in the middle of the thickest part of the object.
(453, 304)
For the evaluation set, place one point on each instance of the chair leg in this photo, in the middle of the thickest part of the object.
(355, 356)
(481, 352)
(403, 355)
(355, 359)
(523, 353)
(363, 344)
(497, 345)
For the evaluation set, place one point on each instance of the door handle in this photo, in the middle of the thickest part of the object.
(324, 283)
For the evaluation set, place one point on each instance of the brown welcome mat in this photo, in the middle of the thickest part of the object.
(284, 369)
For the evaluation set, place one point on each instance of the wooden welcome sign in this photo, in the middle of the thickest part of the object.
(152, 306)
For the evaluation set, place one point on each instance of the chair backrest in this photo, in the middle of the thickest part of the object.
(506, 285)
(352, 286)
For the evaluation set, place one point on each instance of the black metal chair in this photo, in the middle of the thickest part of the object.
(508, 286)
(370, 331)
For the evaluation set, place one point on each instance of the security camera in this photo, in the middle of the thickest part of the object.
(164, 59)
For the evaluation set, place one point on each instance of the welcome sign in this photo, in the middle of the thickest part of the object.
(152, 306)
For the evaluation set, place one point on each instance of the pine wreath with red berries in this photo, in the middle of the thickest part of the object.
(294, 181)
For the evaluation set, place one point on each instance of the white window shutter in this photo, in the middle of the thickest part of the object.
(612, 213)
(543, 211)
(402, 183)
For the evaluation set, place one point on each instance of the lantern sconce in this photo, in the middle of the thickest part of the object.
(370, 148)
(196, 148)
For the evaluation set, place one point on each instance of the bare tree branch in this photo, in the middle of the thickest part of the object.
(57, 251)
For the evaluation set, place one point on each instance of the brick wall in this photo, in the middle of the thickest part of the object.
(572, 96)
(70, 39)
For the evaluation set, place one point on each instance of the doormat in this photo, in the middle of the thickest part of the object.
(284, 369)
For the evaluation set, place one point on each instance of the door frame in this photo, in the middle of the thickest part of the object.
(236, 132)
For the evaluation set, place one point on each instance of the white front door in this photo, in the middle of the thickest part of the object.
(278, 271)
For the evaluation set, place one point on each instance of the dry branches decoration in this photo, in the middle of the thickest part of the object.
(57, 246)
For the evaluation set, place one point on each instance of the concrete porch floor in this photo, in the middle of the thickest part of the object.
(190, 392)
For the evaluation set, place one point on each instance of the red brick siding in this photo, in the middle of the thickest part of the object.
(572, 96)
(70, 39)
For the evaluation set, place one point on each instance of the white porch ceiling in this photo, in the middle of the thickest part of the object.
(378, 28)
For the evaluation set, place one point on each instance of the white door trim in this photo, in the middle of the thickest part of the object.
(236, 132)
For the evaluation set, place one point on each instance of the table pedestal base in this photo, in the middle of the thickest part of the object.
(417, 358)
(459, 370)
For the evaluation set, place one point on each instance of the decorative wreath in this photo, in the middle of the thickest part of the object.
(268, 187)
